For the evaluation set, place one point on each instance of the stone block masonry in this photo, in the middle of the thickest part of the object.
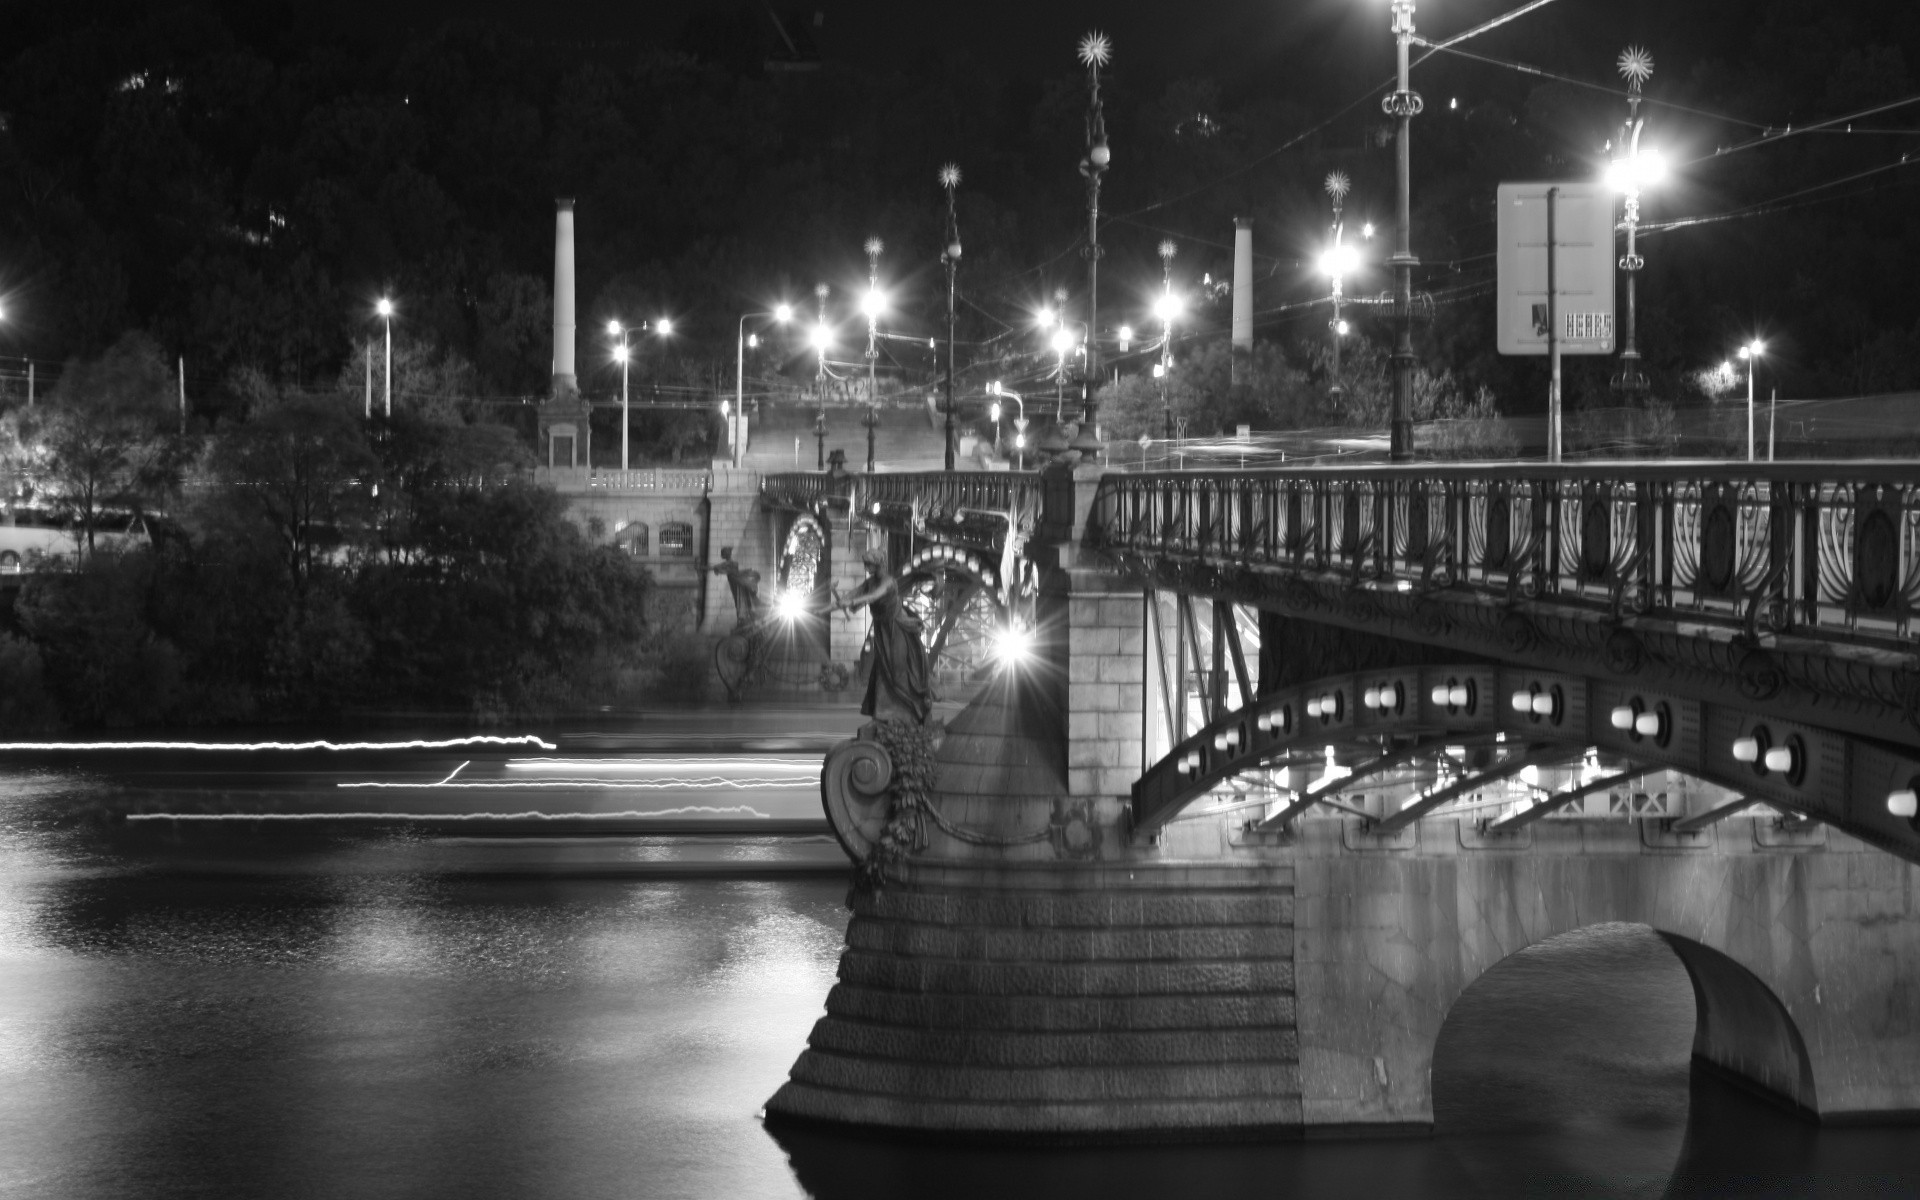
(1060, 1003)
(1105, 674)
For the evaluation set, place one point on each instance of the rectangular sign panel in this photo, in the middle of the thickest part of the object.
(1582, 263)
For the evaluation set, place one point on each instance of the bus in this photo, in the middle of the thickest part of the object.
(32, 536)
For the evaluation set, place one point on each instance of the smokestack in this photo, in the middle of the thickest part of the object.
(565, 381)
(1242, 288)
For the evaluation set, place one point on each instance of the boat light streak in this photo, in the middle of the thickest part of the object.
(732, 810)
(696, 783)
(653, 766)
(527, 740)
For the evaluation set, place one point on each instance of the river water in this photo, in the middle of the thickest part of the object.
(329, 1009)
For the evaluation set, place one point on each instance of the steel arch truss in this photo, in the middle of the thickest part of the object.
(1831, 776)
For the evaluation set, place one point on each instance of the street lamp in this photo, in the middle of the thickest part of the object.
(1019, 423)
(1403, 104)
(873, 304)
(385, 309)
(623, 355)
(1167, 307)
(950, 180)
(737, 420)
(1095, 51)
(1338, 261)
(1750, 354)
(822, 339)
(1635, 169)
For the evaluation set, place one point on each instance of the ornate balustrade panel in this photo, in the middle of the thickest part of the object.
(971, 507)
(1829, 550)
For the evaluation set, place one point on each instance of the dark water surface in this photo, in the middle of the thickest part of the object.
(311, 1013)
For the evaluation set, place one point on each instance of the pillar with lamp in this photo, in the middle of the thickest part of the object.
(1095, 51)
(1632, 170)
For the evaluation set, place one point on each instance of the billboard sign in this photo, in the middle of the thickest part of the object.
(1582, 268)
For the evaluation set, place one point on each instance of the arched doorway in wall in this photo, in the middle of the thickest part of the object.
(803, 580)
(1588, 1042)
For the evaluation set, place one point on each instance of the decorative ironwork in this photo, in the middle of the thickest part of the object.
(1823, 550)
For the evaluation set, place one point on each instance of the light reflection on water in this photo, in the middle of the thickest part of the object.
(296, 1030)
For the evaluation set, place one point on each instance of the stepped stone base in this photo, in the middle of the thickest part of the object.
(1066, 1001)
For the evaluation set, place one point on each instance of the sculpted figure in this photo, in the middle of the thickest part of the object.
(899, 685)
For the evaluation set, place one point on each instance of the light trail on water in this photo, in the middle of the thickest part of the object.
(527, 740)
(733, 810)
(702, 783)
(655, 766)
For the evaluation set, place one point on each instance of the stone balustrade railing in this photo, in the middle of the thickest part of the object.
(645, 479)
(966, 506)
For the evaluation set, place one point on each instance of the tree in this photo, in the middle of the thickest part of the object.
(301, 466)
(105, 443)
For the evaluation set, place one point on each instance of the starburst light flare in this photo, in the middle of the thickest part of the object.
(874, 247)
(1338, 184)
(950, 176)
(1095, 49)
(1636, 65)
(1168, 249)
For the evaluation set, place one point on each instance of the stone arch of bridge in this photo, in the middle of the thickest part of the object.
(1741, 1027)
(1535, 717)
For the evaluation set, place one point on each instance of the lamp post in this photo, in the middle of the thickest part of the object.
(1095, 51)
(950, 180)
(1337, 262)
(822, 338)
(871, 304)
(385, 309)
(1750, 354)
(1019, 423)
(1402, 105)
(737, 420)
(1628, 174)
(1167, 307)
(623, 353)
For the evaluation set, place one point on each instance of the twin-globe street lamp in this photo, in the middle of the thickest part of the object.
(1633, 170)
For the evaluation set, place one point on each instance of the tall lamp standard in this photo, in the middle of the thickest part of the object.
(1627, 175)
(623, 354)
(1095, 52)
(1166, 307)
(1750, 354)
(737, 420)
(822, 339)
(950, 180)
(871, 304)
(385, 309)
(1403, 104)
(1337, 262)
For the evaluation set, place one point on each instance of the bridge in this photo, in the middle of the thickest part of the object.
(1300, 754)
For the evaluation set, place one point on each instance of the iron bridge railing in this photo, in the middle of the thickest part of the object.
(1824, 548)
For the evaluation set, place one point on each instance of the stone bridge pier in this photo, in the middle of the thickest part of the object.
(1030, 958)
